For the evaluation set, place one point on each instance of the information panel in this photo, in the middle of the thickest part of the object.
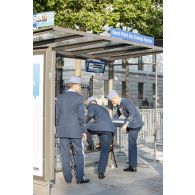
(95, 66)
(38, 65)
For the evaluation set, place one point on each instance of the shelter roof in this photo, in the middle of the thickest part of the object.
(82, 45)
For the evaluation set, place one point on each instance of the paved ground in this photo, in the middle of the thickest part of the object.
(147, 181)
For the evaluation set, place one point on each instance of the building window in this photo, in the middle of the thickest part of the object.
(153, 89)
(140, 90)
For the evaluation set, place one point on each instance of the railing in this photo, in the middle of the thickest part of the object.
(145, 136)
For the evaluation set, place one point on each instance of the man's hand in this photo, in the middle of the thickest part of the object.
(84, 137)
(124, 128)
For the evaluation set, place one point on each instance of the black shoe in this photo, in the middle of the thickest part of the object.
(101, 176)
(68, 181)
(83, 181)
(130, 169)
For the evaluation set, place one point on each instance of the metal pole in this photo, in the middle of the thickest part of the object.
(61, 79)
(110, 87)
(126, 79)
(110, 82)
(155, 121)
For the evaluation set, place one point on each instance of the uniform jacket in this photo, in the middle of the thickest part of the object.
(131, 114)
(102, 120)
(70, 116)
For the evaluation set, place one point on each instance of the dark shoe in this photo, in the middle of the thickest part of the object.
(101, 176)
(68, 181)
(130, 169)
(83, 181)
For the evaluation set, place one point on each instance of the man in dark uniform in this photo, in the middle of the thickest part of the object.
(102, 126)
(70, 128)
(132, 124)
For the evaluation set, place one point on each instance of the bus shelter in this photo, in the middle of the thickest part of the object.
(48, 44)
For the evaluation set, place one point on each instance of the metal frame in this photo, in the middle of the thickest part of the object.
(48, 117)
(42, 185)
(42, 52)
(83, 45)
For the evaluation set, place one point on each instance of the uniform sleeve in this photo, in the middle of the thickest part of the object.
(82, 114)
(129, 110)
(91, 113)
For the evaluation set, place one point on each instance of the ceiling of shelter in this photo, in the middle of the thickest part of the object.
(82, 45)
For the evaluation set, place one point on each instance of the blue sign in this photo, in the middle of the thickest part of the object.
(43, 19)
(36, 79)
(95, 66)
(126, 35)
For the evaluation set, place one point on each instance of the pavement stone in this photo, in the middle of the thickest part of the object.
(148, 180)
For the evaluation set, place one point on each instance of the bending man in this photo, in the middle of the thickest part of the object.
(104, 128)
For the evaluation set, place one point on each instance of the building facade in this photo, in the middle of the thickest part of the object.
(141, 80)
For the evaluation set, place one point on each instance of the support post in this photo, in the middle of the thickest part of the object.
(44, 170)
(110, 87)
(155, 121)
(110, 76)
(126, 79)
(110, 83)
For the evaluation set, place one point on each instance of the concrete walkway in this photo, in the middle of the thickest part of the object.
(148, 180)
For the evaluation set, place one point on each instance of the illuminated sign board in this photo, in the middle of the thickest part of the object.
(38, 65)
(130, 36)
(95, 66)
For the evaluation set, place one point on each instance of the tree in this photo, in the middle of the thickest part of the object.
(145, 16)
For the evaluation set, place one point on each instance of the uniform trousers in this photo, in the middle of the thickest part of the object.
(66, 158)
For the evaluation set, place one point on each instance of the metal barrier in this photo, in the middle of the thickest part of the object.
(145, 136)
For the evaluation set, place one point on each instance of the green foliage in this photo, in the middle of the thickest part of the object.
(146, 16)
